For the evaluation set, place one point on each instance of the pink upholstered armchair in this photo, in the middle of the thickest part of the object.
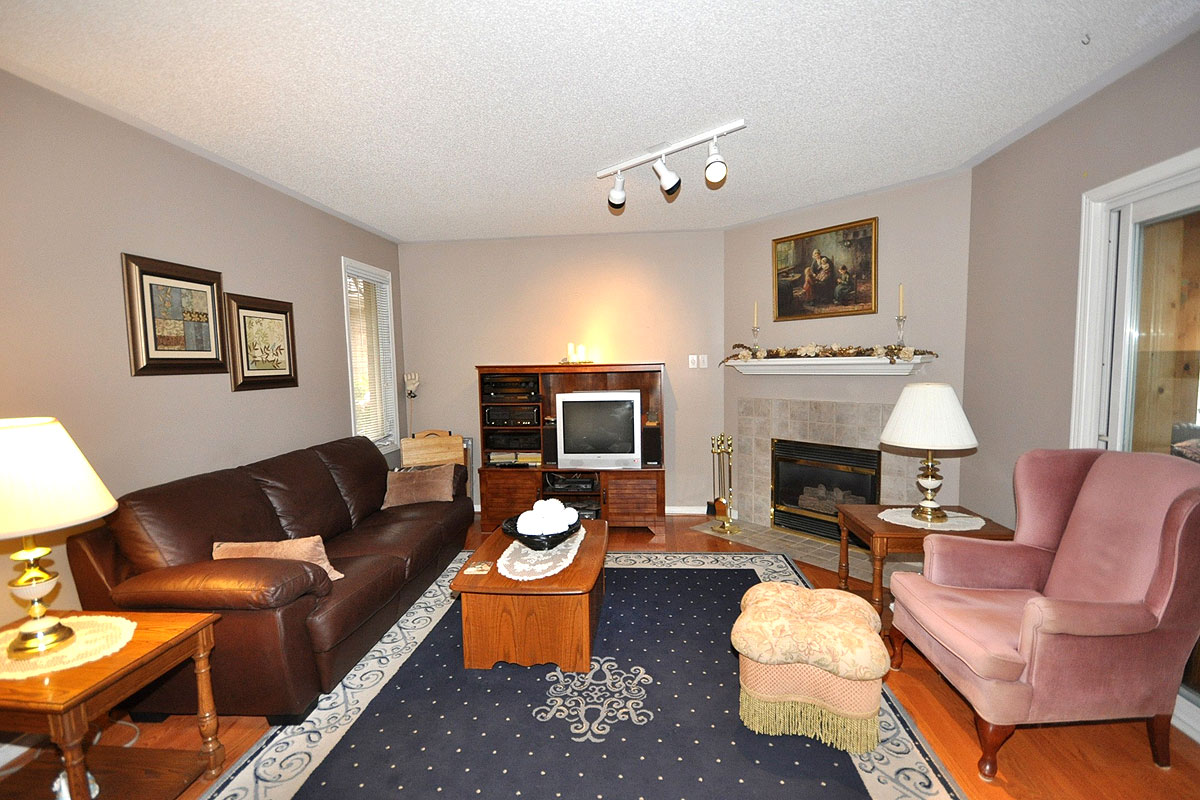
(1090, 612)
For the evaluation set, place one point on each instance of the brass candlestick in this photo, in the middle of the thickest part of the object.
(722, 450)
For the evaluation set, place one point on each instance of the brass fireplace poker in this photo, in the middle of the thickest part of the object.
(722, 450)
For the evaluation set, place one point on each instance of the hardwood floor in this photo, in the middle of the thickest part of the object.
(1084, 761)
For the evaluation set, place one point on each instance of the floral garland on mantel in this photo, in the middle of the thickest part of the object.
(892, 352)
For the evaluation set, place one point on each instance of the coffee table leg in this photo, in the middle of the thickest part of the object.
(207, 712)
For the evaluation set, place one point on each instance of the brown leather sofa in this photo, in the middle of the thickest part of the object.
(287, 632)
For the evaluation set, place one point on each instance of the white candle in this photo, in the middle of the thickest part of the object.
(902, 299)
(756, 313)
(570, 352)
(581, 351)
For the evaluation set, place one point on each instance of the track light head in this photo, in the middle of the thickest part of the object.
(714, 168)
(667, 179)
(616, 195)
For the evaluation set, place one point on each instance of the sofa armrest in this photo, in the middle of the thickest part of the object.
(235, 583)
(984, 563)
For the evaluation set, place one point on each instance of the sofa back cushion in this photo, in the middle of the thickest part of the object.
(360, 472)
(303, 493)
(176, 523)
(1112, 544)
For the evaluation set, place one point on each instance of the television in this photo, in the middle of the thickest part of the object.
(599, 430)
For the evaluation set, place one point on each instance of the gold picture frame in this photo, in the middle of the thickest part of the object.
(262, 342)
(830, 272)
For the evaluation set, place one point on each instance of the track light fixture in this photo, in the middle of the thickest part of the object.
(616, 195)
(715, 170)
(668, 180)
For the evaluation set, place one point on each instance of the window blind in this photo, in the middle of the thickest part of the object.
(371, 353)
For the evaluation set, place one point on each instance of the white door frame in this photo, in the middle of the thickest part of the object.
(1093, 318)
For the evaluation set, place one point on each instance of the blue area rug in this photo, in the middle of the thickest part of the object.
(655, 718)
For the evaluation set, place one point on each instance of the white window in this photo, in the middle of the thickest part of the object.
(371, 351)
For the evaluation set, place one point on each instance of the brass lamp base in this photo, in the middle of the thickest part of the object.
(929, 480)
(929, 514)
(33, 643)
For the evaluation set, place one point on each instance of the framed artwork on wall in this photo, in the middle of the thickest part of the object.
(173, 313)
(829, 272)
(262, 341)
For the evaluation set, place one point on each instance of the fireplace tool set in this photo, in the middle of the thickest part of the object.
(722, 451)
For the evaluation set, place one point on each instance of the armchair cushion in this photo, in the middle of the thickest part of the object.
(981, 627)
(242, 583)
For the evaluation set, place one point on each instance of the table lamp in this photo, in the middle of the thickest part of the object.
(45, 484)
(929, 417)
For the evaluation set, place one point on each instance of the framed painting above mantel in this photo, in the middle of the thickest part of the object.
(829, 272)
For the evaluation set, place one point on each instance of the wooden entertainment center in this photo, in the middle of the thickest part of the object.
(518, 456)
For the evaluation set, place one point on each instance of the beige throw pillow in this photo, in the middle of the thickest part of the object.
(420, 486)
(310, 548)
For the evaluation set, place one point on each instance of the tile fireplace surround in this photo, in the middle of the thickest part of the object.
(823, 421)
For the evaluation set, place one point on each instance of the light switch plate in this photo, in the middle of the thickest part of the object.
(691, 362)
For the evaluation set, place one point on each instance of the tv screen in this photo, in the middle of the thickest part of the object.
(600, 429)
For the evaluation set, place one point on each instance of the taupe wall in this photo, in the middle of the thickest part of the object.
(1025, 223)
(923, 236)
(638, 297)
(77, 189)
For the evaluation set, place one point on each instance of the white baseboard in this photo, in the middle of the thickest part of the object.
(692, 510)
(1187, 716)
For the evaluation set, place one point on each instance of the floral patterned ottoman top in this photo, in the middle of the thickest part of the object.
(830, 629)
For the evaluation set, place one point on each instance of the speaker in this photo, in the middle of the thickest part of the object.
(549, 445)
(652, 446)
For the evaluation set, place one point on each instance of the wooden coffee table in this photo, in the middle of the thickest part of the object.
(63, 703)
(884, 538)
(550, 620)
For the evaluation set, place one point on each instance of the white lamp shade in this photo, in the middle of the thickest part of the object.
(46, 484)
(928, 416)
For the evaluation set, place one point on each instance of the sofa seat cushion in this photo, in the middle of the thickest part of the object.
(981, 627)
(370, 582)
(415, 542)
(176, 523)
(303, 493)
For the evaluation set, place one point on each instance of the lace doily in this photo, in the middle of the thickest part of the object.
(95, 637)
(522, 564)
(955, 521)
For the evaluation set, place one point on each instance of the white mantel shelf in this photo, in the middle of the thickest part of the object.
(861, 365)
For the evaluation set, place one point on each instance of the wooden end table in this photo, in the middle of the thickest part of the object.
(884, 538)
(62, 704)
(549, 620)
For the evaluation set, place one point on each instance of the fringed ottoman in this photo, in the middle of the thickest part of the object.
(812, 664)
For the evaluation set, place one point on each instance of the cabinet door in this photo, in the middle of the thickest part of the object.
(635, 498)
(506, 492)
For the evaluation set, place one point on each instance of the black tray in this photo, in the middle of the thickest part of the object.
(538, 542)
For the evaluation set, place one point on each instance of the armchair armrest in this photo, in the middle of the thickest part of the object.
(1045, 615)
(984, 563)
(235, 583)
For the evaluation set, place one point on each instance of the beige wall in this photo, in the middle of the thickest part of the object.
(638, 297)
(923, 236)
(77, 189)
(1025, 223)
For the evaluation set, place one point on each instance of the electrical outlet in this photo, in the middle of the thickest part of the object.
(691, 362)
(704, 361)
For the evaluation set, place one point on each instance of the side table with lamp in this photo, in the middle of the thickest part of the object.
(927, 418)
(56, 679)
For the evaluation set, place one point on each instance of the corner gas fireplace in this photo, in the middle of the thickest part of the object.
(809, 480)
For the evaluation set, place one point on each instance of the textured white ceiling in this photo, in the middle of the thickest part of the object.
(462, 120)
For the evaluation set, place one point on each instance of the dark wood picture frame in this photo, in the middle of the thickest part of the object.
(262, 343)
(831, 272)
(173, 313)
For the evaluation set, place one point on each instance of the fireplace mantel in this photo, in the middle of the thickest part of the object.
(858, 365)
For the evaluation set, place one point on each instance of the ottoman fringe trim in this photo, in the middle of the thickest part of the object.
(793, 717)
